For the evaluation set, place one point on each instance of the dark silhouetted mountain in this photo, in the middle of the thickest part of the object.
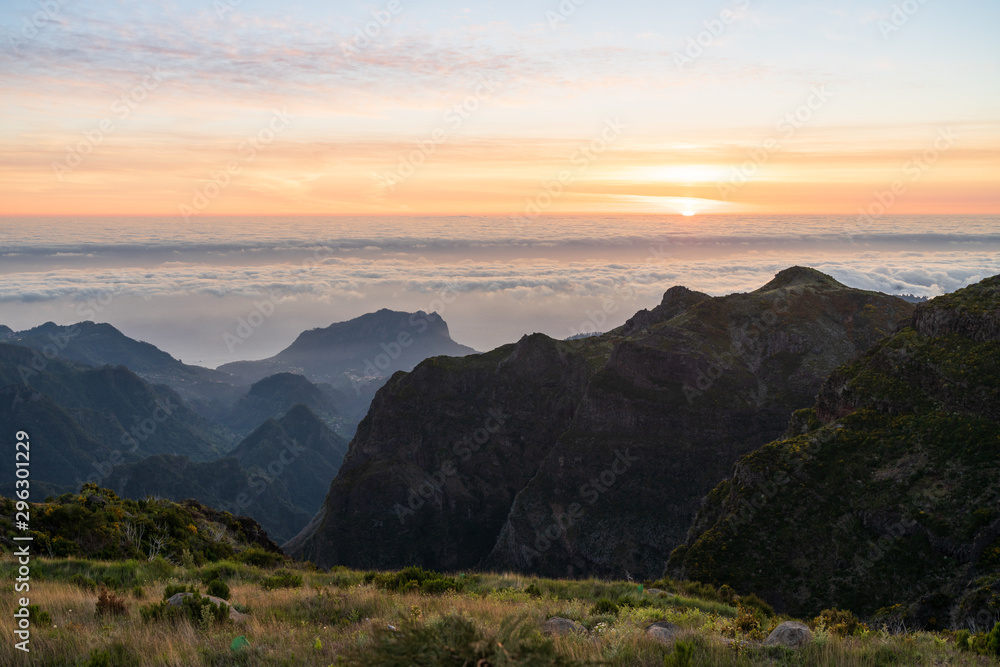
(588, 456)
(275, 395)
(5, 332)
(102, 344)
(90, 415)
(278, 475)
(885, 494)
(358, 355)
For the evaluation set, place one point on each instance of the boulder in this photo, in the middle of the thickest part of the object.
(791, 634)
(562, 626)
(175, 601)
(663, 632)
(655, 591)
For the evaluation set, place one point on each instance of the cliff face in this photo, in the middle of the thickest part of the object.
(886, 495)
(598, 450)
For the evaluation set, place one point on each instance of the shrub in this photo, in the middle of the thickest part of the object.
(727, 594)
(219, 589)
(533, 590)
(283, 579)
(682, 656)
(116, 655)
(455, 640)
(138, 592)
(604, 606)
(39, 617)
(414, 579)
(84, 582)
(173, 589)
(260, 558)
(993, 641)
(755, 602)
(840, 622)
(223, 570)
(962, 640)
(110, 603)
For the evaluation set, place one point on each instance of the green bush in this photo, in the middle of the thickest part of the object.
(84, 582)
(173, 589)
(283, 579)
(455, 640)
(116, 655)
(533, 590)
(752, 600)
(993, 641)
(604, 606)
(682, 656)
(260, 558)
(840, 622)
(727, 594)
(962, 640)
(39, 617)
(218, 588)
(414, 579)
(223, 570)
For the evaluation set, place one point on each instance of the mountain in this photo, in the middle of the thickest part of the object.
(275, 395)
(587, 456)
(5, 332)
(356, 356)
(884, 497)
(101, 344)
(83, 420)
(278, 475)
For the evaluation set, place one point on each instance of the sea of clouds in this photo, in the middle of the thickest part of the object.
(184, 286)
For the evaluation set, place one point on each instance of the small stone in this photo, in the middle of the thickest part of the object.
(562, 626)
(791, 634)
(663, 632)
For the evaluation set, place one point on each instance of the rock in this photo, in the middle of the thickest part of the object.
(655, 591)
(663, 632)
(791, 634)
(562, 626)
(175, 601)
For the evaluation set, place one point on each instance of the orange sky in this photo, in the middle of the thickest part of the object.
(110, 113)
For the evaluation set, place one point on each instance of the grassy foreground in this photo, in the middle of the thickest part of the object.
(299, 616)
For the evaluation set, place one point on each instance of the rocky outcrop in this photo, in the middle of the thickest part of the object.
(791, 634)
(884, 498)
(562, 626)
(587, 456)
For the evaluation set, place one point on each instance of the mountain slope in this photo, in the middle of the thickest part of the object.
(99, 345)
(593, 453)
(101, 411)
(278, 475)
(275, 395)
(886, 492)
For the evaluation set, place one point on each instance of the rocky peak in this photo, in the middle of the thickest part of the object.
(801, 276)
(972, 312)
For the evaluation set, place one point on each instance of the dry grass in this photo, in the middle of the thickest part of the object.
(317, 623)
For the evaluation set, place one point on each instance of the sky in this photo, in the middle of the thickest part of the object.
(196, 108)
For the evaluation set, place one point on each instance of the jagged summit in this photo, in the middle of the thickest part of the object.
(801, 276)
